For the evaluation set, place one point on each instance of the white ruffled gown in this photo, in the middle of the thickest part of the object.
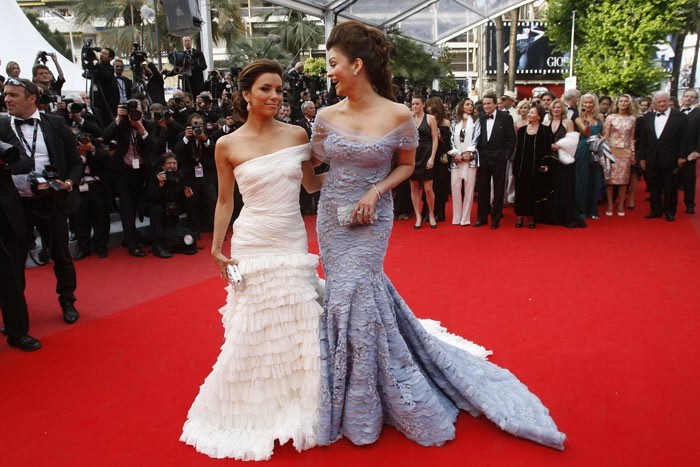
(265, 383)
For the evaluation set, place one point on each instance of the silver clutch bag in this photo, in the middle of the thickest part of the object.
(235, 278)
(345, 215)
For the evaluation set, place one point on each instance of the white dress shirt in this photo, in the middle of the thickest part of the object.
(660, 122)
(41, 152)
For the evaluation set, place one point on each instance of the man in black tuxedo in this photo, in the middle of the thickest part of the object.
(660, 151)
(155, 86)
(494, 139)
(193, 69)
(124, 84)
(691, 148)
(104, 86)
(571, 98)
(136, 142)
(50, 143)
(13, 225)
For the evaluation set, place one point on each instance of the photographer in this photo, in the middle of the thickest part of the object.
(13, 229)
(155, 86)
(105, 91)
(93, 213)
(215, 85)
(205, 108)
(166, 129)
(168, 196)
(78, 118)
(124, 84)
(129, 165)
(180, 106)
(48, 193)
(192, 72)
(196, 155)
(42, 76)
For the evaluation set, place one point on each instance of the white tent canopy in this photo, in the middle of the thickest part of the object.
(20, 42)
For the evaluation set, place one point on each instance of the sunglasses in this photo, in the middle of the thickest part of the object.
(16, 82)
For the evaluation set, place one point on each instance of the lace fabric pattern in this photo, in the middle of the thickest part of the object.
(379, 364)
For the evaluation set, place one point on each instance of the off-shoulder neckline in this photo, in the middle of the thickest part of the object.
(320, 119)
(270, 154)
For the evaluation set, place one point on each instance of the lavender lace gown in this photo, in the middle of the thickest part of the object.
(379, 365)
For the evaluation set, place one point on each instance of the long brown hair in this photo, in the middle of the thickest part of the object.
(247, 78)
(437, 109)
(356, 40)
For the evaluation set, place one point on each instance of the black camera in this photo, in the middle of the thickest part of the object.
(132, 109)
(8, 153)
(83, 138)
(45, 99)
(157, 116)
(46, 183)
(88, 57)
(171, 176)
(197, 130)
(178, 100)
(136, 60)
(167, 113)
(76, 108)
(43, 56)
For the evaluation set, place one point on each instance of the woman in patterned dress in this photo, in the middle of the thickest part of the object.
(619, 132)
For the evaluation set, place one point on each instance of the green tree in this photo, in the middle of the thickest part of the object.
(55, 38)
(246, 49)
(410, 61)
(558, 16)
(314, 66)
(618, 44)
(297, 32)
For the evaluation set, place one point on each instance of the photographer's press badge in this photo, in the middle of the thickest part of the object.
(198, 171)
(135, 164)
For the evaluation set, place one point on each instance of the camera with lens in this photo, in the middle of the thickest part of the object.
(83, 138)
(197, 130)
(46, 183)
(43, 56)
(8, 153)
(167, 113)
(178, 101)
(76, 108)
(136, 60)
(46, 99)
(132, 109)
(88, 57)
(171, 176)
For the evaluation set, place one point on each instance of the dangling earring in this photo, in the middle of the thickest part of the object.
(248, 107)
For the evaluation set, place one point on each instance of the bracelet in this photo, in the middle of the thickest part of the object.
(379, 193)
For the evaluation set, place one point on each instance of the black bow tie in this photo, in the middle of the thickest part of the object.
(660, 114)
(489, 116)
(29, 121)
(686, 110)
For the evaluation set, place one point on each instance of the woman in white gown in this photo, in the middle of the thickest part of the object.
(264, 385)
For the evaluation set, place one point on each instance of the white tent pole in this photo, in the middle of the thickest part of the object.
(205, 36)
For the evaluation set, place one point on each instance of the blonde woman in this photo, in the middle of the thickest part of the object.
(619, 132)
(588, 174)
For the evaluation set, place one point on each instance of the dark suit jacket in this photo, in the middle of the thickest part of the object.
(147, 148)
(10, 202)
(155, 87)
(105, 93)
(128, 86)
(663, 151)
(692, 132)
(502, 142)
(305, 124)
(63, 155)
(196, 63)
(190, 154)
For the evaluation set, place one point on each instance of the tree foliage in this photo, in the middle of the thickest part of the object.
(246, 49)
(616, 40)
(411, 62)
(296, 31)
(55, 38)
(314, 66)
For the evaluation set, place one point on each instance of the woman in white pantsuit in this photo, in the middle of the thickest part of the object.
(463, 174)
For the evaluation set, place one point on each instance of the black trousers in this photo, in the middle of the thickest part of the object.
(202, 203)
(93, 216)
(13, 305)
(663, 189)
(496, 170)
(52, 224)
(129, 186)
(688, 179)
(159, 222)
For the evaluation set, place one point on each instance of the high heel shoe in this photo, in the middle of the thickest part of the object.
(418, 224)
(433, 223)
(519, 222)
(531, 224)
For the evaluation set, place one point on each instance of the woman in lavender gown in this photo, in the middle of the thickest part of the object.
(379, 365)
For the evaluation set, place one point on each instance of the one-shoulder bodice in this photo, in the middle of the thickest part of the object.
(270, 222)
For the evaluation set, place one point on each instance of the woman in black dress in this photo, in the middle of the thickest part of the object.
(534, 143)
(555, 204)
(441, 180)
(425, 161)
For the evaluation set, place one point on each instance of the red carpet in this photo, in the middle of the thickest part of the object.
(601, 323)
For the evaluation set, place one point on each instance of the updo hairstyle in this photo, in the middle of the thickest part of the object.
(356, 40)
(247, 77)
